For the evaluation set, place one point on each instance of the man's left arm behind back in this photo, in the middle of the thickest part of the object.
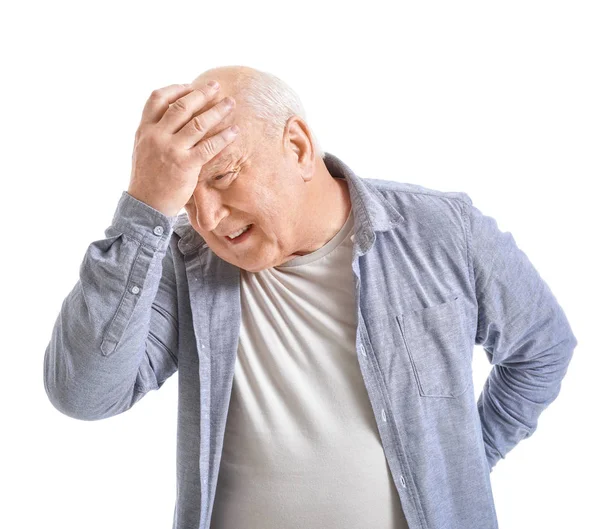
(524, 332)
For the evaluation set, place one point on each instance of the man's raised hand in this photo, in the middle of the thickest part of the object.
(172, 145)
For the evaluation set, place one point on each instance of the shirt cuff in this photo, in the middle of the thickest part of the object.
(142, 222)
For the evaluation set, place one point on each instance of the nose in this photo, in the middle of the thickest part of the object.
(208, 209)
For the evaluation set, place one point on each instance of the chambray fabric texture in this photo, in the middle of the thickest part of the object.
(434, 276)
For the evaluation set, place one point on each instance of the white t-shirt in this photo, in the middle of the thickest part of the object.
(301, 446)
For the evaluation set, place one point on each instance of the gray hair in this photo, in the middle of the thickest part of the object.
(273, 101)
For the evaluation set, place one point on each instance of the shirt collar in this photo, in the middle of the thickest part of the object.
(372, 211)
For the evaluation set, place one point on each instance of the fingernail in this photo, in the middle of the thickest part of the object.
(214, 84)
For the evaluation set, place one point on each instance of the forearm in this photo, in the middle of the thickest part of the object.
(96, 359)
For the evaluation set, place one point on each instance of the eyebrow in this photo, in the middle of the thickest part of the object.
(217, 163)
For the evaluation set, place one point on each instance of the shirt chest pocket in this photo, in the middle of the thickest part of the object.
(437, 346)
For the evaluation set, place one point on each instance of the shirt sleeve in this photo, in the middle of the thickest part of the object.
(116, 335)
(523, 330)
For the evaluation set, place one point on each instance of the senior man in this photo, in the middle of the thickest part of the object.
(324, 353)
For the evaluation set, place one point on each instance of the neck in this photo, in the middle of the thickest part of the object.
(332, 206)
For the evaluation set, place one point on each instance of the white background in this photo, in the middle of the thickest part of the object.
(500, 100)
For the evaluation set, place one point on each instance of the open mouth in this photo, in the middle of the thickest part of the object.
(240, 238)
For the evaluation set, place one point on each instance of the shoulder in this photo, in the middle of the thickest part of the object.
(418, 201)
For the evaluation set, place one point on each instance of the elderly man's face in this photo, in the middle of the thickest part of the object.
(253, 181)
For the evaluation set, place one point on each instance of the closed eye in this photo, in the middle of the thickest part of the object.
(219, 177)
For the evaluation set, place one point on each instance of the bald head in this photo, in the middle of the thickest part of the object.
(229, 76)
(264, 102)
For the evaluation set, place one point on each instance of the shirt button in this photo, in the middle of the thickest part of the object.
(352, 237)
(402, 481)
(383, 415)
(135, 290)
(362, 350)
(158, 230)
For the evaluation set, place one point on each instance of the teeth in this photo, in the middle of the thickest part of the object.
(238, 233)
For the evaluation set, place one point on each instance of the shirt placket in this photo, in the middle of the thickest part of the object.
(391, 441)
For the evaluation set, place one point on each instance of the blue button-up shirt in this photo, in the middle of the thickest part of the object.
(433, 277)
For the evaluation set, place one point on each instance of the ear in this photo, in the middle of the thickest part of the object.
(298, 141)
